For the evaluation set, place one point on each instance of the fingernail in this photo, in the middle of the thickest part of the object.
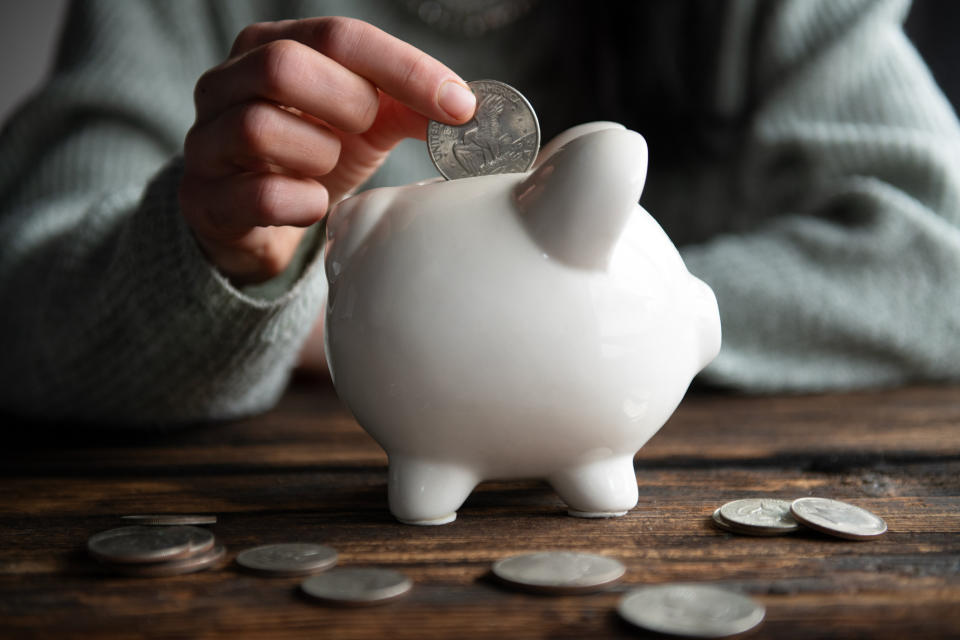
(457, 100)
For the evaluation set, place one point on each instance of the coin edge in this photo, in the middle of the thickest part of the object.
(759, 608)
(837, 533)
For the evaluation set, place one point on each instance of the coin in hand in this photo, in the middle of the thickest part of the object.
(288, 559)
(502, 137)
(559, 572)
(357, 585)
(691, 610)
(838, 518)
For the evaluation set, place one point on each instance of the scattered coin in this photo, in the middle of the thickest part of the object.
(357, 586)
(758, 517)
(838, 518)
(720, 522)
(559, 572)
(289, 559)
(691, 610)
(171, 519)
(140, 544)
(502, 137)
(195, 563)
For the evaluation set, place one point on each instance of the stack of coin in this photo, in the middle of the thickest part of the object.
(756, 517)
(170, 519)
(771, 517)
(154, 551)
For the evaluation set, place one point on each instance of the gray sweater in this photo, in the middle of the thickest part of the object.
(809, 169)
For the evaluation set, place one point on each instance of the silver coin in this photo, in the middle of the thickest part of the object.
(690, 610)
(141, 544)
(502, 137)
(357, 586)
(170, 519)
(720, 523)
(194, 563)
(759, 516)
(288, 559)
(559, 571)
(838, 518)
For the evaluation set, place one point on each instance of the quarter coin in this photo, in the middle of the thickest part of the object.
(357, 586)
(720, 523)
(837, 518)
(201, 540)
(288, 559)
(192, 564)
(559, 572)
(690, 610)
(171, 519)
(502, 137)
(759, 516)
(147, 544)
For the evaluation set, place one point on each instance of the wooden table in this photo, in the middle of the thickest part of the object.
(307, 472)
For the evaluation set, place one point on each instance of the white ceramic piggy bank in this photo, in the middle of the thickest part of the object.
(537, 325)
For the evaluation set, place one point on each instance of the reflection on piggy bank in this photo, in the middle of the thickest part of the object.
(537, 325)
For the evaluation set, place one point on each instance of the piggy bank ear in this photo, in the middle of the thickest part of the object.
(564, 137)
(576, 203)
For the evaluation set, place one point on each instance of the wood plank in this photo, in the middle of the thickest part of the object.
(909, 425)
(307, 472)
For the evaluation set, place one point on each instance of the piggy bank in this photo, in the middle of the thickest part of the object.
(526, 325)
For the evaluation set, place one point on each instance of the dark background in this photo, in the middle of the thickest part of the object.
(29, 29)
(932, 25)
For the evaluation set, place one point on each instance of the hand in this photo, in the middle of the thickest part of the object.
(301, 113)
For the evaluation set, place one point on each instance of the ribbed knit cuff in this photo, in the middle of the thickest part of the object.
(217, 352)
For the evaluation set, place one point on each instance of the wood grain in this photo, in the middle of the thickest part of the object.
(307, 472)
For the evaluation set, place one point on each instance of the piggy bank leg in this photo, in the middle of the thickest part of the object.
(600, 489)
(426, 492)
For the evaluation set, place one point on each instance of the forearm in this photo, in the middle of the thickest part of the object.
(130, 324)
(111, 313)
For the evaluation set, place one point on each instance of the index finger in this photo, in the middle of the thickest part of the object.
(396, 67)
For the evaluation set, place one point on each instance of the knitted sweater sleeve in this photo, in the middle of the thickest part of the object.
(110, 312)
(852, 278)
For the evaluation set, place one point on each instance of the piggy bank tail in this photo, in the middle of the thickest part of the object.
(576, 203)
